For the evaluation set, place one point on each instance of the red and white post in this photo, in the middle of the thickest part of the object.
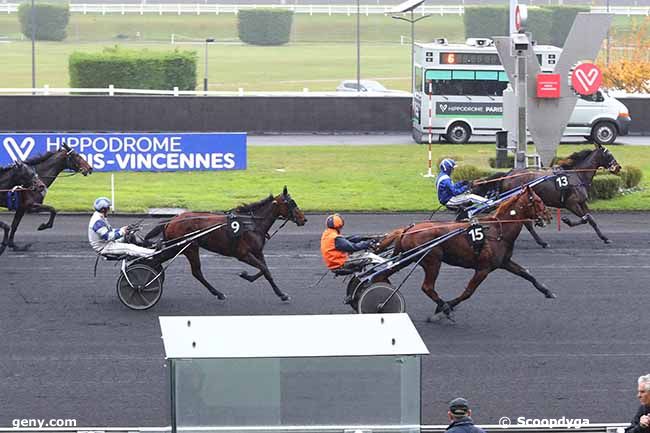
(429, 171)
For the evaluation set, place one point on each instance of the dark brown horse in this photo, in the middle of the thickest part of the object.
(14, 176)
(569, 188)
(48, 166)
(500, 231)
(244, 240)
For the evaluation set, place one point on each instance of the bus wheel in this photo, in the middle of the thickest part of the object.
(458, 133)
(604, 133)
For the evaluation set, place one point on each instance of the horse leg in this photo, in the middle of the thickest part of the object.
(431, 267)
(529, 226)
(5, 228)
(576, 209)
(42, 207)
(260, 263)
(519, 270)
(18, 216)
(581, 210)
(250, 278)
(476, 280)
(192, 254)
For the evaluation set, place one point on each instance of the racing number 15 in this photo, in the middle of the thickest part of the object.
(477, 234)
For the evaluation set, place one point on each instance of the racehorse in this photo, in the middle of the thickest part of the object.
(253, 222)
(15, 178)
(499, 233)
(48, 166)
(569, 188)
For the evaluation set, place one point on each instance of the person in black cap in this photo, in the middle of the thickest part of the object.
(460, 416)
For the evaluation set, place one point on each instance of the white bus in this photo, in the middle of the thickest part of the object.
(463, 85)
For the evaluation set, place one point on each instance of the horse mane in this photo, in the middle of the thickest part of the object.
(254, 206)
(574, 158)
(7, 168)
(39, 158)
(506, 204)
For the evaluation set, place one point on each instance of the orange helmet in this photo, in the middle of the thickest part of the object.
(335, 221)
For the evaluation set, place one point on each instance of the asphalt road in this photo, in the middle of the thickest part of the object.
(69, 349)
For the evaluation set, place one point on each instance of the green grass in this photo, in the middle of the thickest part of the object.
(322, 51)
(320, 178)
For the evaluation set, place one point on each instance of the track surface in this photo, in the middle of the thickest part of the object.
(69, 349)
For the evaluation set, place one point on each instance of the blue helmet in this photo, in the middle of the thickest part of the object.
(102, 203)
(447, 165)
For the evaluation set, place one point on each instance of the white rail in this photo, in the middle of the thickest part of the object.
(114, 91)
(216, 9)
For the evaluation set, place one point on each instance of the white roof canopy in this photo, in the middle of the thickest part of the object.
(290, 336)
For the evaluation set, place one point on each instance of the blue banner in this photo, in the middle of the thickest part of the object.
(135, 152)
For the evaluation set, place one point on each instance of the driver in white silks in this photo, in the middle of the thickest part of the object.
(454, 195)
(106, 240)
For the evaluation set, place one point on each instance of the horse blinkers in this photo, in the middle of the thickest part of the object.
(73, 161)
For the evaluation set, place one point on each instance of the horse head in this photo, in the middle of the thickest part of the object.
(607, 160)
(75, 162)
(288, 209)
(534, 207)
(26, 175)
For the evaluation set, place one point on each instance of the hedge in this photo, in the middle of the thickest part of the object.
(469, 172)
(265, 26)
(631, 176)
(510, 162)
(563, 17)
(550, 25)
(605, 187)
(51, 21)
(486, 21)
(133, 69)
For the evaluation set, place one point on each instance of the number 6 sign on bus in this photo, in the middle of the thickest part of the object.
(586, 79)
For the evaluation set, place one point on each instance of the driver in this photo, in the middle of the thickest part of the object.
(106, 240)
(336, 248)
(454, 195)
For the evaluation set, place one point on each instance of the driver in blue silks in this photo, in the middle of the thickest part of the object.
(454, 195)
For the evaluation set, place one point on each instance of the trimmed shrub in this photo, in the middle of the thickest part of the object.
(469, 172)
(563, 17)
(605, 187)
(631, 176)
(492, 161)
(51, 21)
(485, 21)
(133, 69)
(265, 26)
(540, 24)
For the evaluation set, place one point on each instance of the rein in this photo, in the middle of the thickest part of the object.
(445, 225)
(499, 179)
(268, 237)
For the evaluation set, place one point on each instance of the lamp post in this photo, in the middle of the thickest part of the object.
(410, 6)
(33, 21)
(205, 77)
(358, 45)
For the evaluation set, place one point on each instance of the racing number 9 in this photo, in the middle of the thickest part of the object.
(235, 226)
(477, 234)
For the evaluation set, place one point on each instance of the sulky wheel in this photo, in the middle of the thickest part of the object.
(354, 291)
(374, 296)
(140, 291)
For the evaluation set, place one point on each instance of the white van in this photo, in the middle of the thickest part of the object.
(458, 91)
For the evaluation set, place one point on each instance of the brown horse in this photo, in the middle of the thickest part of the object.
(500, 232)
(48, 166)
(243, 235)
(569, 188)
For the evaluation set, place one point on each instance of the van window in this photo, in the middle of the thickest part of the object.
(418, 79)
(595, 97)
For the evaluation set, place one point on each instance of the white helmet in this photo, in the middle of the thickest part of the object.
(102, 203)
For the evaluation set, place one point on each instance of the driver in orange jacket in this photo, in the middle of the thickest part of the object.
(336, 248)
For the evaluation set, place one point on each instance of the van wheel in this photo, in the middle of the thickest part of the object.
(458, 133)
(604, 133)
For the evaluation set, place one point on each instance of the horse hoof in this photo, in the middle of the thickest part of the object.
(566, 221)
(43, 227)
(285, 298)
(551, 295)
(2, 249)
(245, 276)
(19, 249)
(607, 241)
(544, 244)
(221, 297)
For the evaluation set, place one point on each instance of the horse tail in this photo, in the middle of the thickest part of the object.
(391, 238)
(160, 228)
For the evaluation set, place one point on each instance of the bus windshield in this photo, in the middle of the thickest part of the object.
(465, 82)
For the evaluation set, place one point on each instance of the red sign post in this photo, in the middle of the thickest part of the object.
(586, 78)
(548, 86)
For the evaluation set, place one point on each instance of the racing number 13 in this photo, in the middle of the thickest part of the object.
(562, 181)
